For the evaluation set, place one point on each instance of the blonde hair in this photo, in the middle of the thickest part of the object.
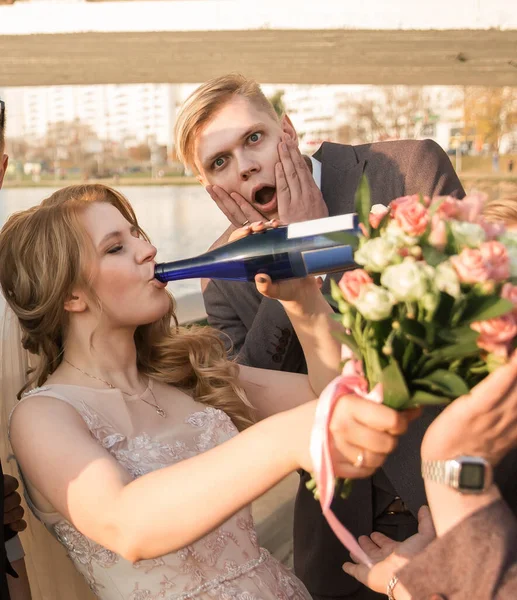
(201, 106)
(502, 210)
(44, 254)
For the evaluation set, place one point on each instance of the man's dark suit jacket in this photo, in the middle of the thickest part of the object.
(476, 560)
(262, 336)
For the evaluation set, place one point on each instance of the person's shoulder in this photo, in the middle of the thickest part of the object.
(40, 402)
(399, 148)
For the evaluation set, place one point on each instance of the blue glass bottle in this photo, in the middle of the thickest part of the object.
(296, 250)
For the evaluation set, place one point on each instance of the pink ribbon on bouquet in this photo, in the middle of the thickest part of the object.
(352, 381)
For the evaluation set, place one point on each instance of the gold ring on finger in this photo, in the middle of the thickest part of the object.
(360, 460)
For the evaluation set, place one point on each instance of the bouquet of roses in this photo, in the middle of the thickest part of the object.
(432, 308)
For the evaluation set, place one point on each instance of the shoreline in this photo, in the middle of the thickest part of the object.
(122, 181)
(466, 177)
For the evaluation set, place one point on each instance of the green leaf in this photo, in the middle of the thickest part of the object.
(420, 398)
(447, 354)
(373, 367)
(442, 314)
(414, 331)
(481, 308)
(451, 246)
(335, 292)
(435, 206)
(395, 391)
(337, 317)
(349, 341)
(432, 256)
(458, 335)
(363, 203)
(342, 237)
(444, 383)
(408, 356)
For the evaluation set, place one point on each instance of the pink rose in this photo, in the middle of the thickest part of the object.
(496, 334)
(470, 266)
(448, 208)
(438, 235)
(496, 257)
(412, 218)
(377, 214)
(509, 292)
(492, 230)
(403, 200)
(471, 207)
(352, 283)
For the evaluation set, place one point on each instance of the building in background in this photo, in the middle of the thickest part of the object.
(118, 113)
(362, 114)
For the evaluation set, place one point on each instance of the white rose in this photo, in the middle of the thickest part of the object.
(408, 281)
(397, 236)
(375, 255)
(509, 239)
(374, 303)
(467, 234)
(446, 279)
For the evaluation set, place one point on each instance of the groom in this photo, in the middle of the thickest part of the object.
(248, 160)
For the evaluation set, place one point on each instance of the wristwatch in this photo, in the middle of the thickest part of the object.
(467, 474)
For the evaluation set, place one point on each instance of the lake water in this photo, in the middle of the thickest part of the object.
(181, 221)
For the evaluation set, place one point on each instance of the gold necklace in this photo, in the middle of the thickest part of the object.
(159, 410)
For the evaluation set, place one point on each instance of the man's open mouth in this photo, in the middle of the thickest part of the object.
(264, 195)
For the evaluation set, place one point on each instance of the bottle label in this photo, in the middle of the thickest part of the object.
(318, 226)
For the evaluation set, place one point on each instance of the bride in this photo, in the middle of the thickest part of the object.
(141, 446)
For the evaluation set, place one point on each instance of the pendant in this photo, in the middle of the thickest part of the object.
(161, 412)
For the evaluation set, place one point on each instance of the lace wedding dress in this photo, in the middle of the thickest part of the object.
(226, 564)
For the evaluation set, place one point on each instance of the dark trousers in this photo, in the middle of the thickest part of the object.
(397, 527)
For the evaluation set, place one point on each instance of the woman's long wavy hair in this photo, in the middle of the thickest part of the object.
(44, 254)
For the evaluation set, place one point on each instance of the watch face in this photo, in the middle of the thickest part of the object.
(472, 477)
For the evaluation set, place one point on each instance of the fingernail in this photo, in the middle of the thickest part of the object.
(284, 146)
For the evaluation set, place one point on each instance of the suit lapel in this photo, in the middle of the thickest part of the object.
(340, 175)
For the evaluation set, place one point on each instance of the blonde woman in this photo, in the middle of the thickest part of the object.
(128, 445)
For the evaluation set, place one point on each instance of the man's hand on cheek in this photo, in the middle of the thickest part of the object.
(298, 196)
(237, 210)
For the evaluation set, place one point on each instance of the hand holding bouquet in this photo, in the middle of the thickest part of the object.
(429, 313)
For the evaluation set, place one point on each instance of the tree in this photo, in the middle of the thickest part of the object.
(489, 115)
(278, 104)
(397, 112)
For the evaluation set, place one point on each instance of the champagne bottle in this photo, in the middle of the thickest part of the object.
(297, 250)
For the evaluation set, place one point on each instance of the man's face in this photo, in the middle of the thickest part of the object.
(238, 149)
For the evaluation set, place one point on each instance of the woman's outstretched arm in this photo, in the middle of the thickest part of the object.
(170, 508)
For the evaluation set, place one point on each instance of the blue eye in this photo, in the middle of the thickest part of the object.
(218, 162)
(255, 137)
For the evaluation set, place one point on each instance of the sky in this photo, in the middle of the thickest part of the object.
(56, 16)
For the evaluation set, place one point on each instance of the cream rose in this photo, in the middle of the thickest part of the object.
(374, 303)
(408, 281)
